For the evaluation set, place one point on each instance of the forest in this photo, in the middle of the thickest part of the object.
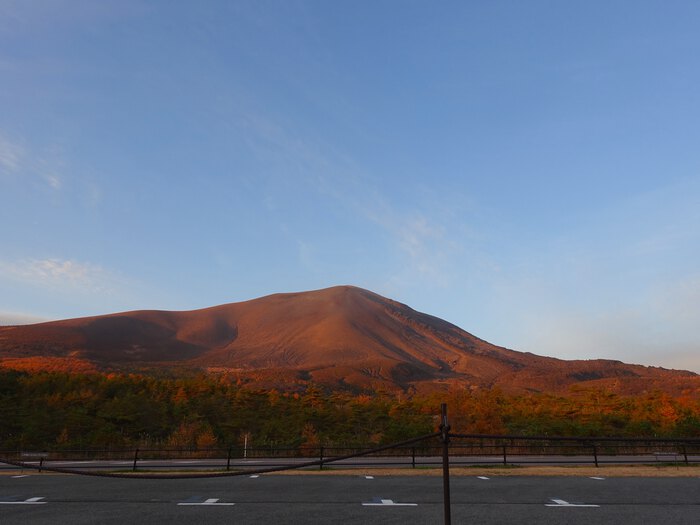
(62, 411)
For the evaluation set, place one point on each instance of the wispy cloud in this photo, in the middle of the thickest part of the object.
(11, 155)
(423, 242)
(40, 166)
(60, 274)
(418, 231)
(49, 166)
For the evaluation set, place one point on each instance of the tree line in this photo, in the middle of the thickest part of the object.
(62, 410)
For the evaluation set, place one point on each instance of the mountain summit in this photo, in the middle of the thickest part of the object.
(343, 337)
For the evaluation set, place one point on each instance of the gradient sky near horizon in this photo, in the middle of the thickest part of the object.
(529, 171)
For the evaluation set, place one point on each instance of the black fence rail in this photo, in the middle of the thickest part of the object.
(464, 450)
(551, 450)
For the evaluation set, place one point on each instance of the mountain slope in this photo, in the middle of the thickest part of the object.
(342, 336)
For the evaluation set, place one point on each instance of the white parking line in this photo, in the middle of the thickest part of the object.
(30, 501)
(379, 502)
(208, 502)
(562, 503)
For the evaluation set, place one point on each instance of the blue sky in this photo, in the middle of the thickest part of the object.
(529, 171)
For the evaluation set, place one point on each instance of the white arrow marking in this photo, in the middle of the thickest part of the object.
(208, 502)
(378, 502)
(562, 503)
(30, 501)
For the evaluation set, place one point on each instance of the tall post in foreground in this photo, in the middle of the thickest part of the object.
(445, 430)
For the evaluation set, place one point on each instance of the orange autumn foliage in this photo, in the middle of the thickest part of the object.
(48, 364)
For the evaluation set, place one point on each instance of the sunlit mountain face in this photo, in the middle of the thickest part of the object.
(342, 338)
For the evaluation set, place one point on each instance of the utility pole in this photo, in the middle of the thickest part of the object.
(445, 437)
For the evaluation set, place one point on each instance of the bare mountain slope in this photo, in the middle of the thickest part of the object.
(342, 336)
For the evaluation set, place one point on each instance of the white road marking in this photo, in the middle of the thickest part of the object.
(562, 503)
(369, 477)
(30, 501)
(597, 478)
(482, 477)
(254, 476)
(208, 502)
(20, 476)
(379, 502)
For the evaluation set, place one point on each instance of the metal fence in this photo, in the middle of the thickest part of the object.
(464, 449)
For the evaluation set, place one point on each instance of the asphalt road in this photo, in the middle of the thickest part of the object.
(54, 499)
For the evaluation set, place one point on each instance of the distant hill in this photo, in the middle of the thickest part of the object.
(343, 337)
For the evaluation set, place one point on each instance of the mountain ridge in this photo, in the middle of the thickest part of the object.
(341, 337)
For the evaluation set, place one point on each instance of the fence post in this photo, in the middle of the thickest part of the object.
(136, 458)
(228, 459)
(505, 456)
(41, 463)
(320, 465)
(413, 457)
(445, 430)
(595, 454)
(685, 454)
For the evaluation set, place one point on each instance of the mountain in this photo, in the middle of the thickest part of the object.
(343, 337)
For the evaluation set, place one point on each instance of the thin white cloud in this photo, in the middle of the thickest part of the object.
(422, 237)
(49, 166)
(54, 273)
(43, 167)
(11, 155)
(424, 244)
(54, 181)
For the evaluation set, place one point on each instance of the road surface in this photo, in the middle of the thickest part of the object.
(45, 499)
